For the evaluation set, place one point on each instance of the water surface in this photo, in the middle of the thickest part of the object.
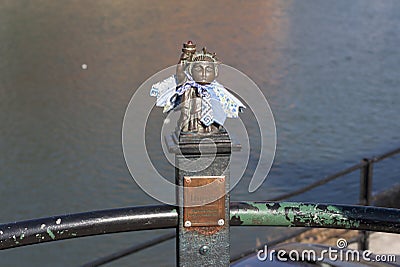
(328, 69)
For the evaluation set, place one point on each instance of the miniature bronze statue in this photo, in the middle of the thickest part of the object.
(203, 102)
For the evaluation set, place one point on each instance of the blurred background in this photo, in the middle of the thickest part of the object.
(329, 69)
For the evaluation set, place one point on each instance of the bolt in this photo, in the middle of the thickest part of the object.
(221, 180)
(221, 222)
(204, 250)
(188, 180)
(188, 223)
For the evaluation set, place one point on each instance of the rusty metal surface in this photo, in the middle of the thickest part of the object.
(197, 213)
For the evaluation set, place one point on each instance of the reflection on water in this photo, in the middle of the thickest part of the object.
(329, 70)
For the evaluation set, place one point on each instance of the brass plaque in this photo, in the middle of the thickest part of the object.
(197, 191)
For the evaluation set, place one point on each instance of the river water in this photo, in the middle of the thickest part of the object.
(329, 69)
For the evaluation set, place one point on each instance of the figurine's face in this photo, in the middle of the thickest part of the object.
(203, 72)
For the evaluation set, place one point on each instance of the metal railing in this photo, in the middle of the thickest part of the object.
(264, 213)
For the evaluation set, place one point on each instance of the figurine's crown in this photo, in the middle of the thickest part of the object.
(205, 56)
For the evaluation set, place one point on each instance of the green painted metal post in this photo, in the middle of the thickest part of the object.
(202, 232)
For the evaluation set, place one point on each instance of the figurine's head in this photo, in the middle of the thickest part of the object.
(203, 67)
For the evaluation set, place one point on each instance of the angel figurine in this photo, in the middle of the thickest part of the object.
(204, 103)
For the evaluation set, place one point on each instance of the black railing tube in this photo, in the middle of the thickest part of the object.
(386, 155)
(291, 214)
(297, 214)
(87, 224)
(336, 175)
(319, 182)
(365, 197)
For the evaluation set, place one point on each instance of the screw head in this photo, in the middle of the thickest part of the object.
(221, 222)
(204, 249)
(188, 223)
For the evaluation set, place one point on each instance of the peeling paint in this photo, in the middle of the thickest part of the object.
(291, 214)
(58, 221)
(42, 226)
(22, 236)
(51, 233)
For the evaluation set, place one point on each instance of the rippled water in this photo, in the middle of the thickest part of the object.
(329, 70)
